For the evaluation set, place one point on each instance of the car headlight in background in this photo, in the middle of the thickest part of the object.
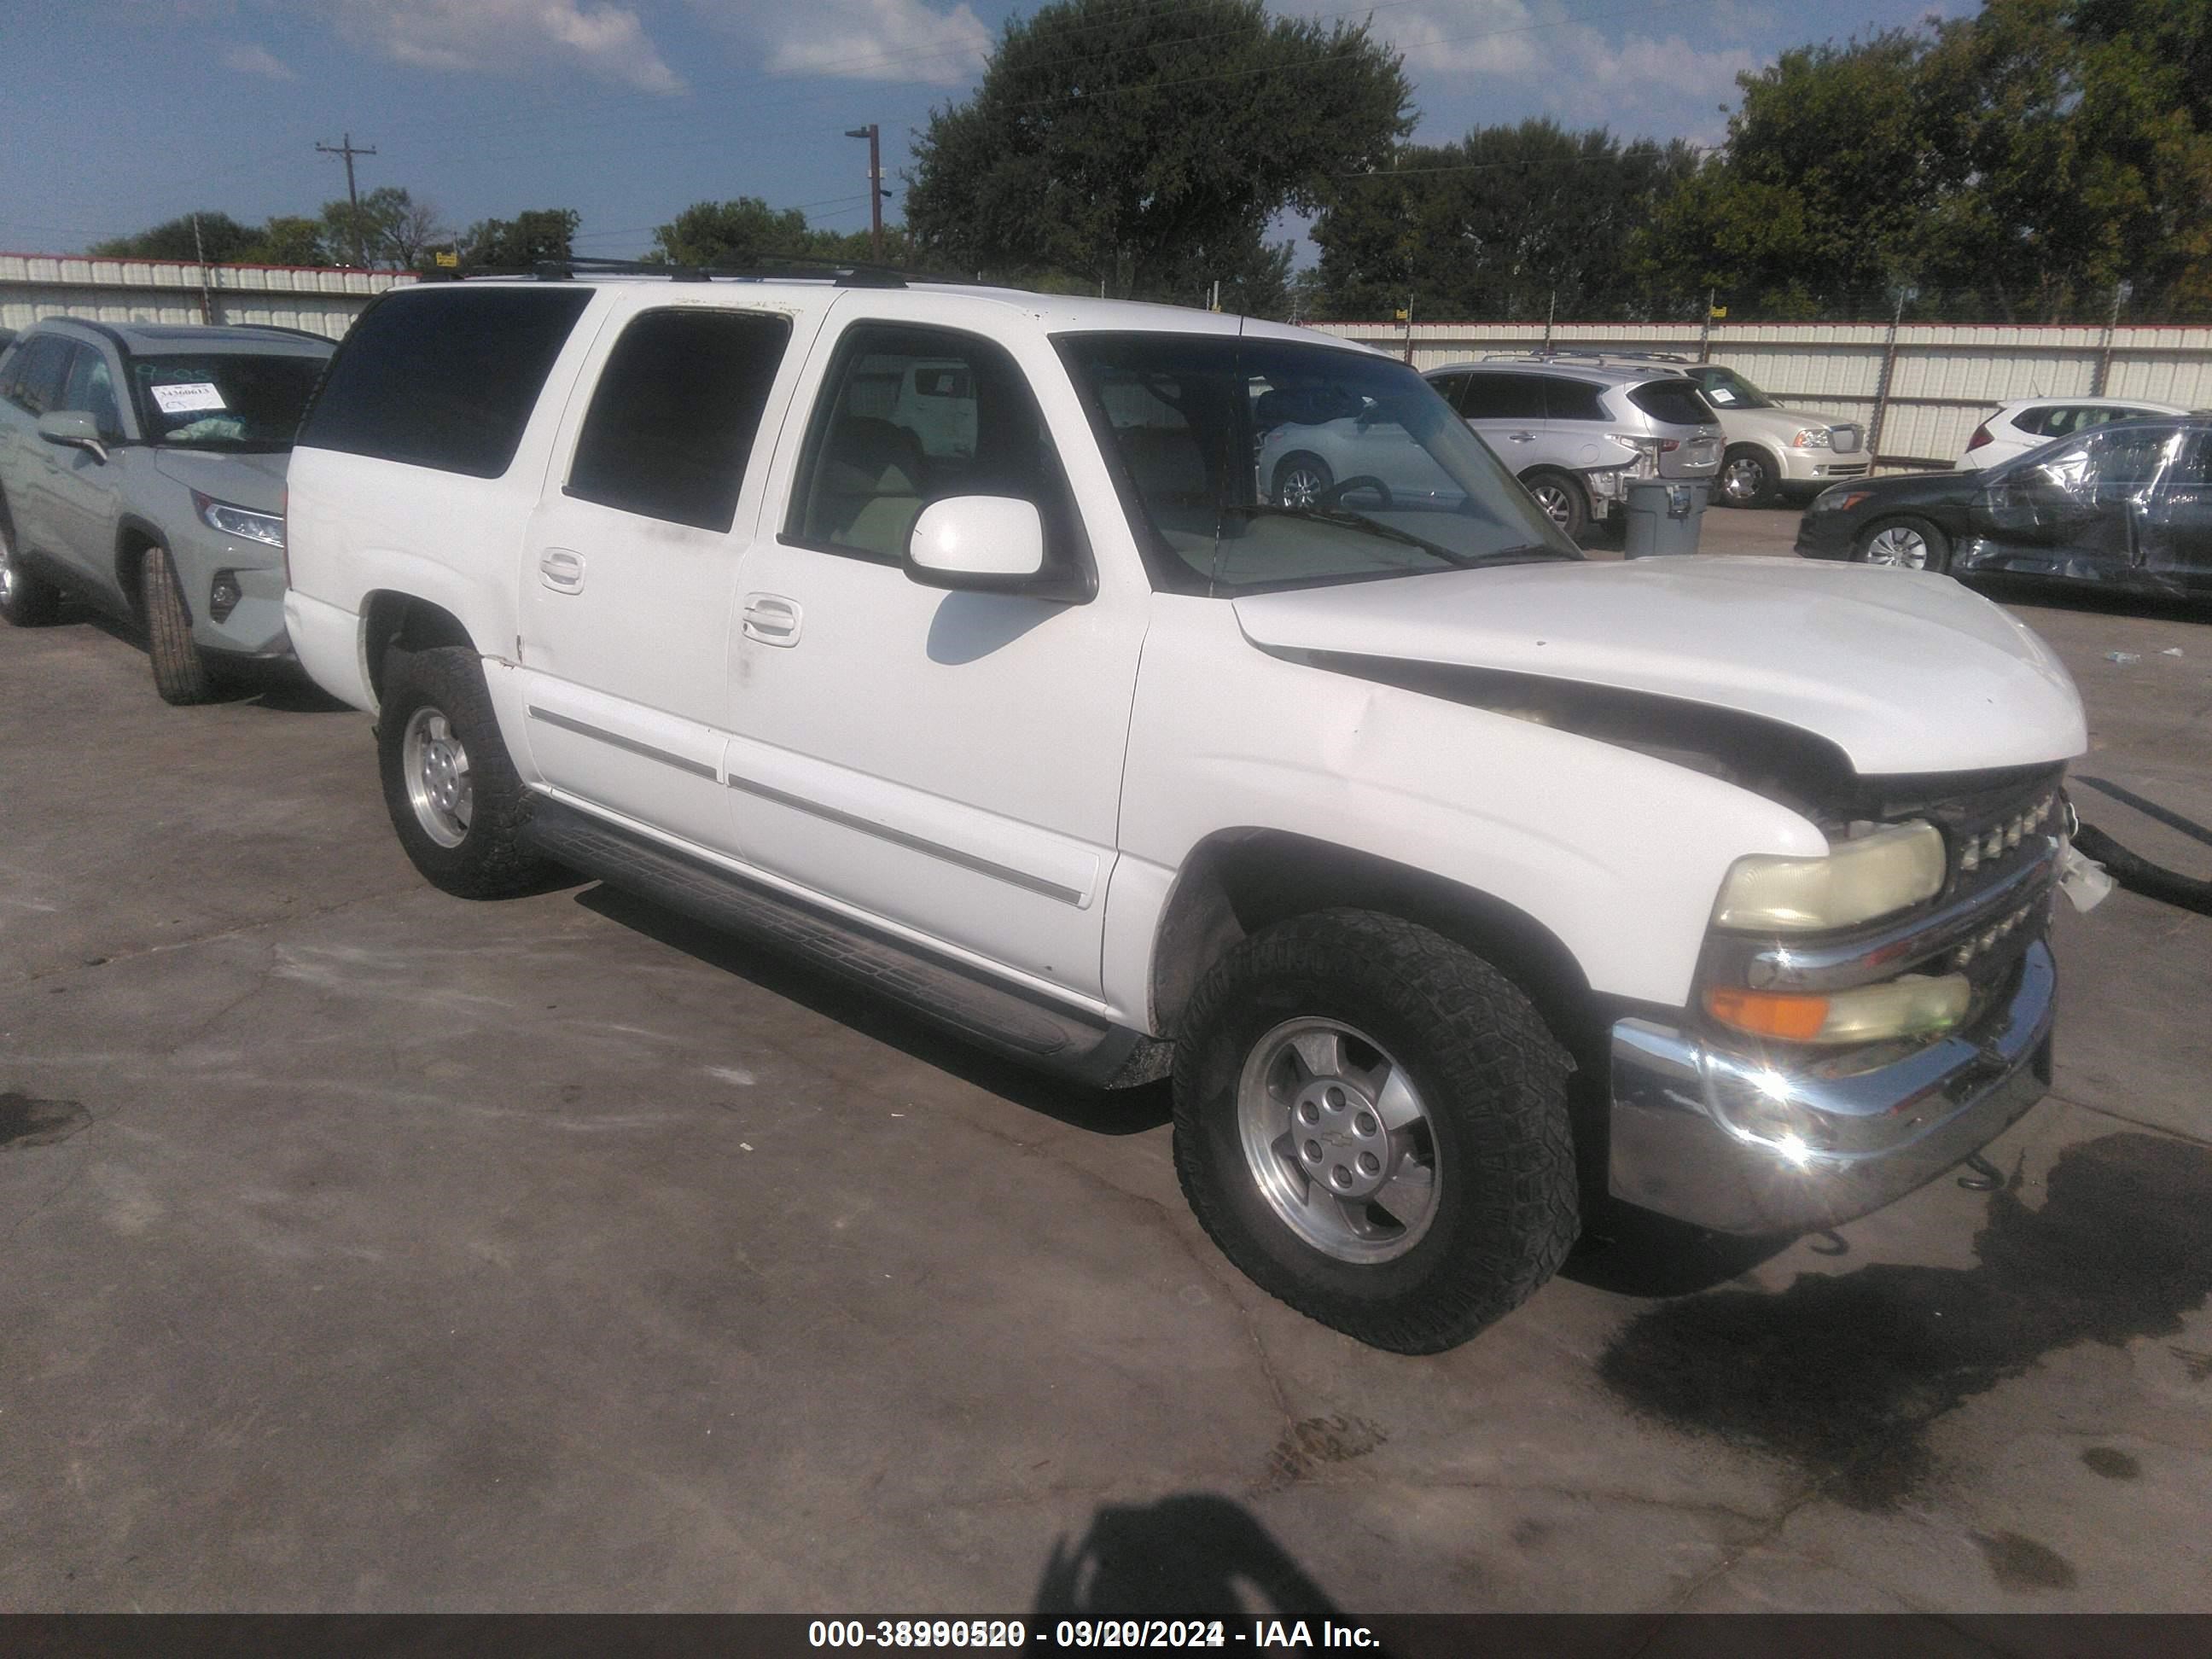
(1812, 437)
(1857, 881)
(1837, 500)
(242, 522)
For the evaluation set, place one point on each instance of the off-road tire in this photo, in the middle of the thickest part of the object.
(181, 673)
(492, 859)
(27, 599)
(1573, 515)
(1494, 1079)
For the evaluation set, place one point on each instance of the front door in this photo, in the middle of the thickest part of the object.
(945, 762)
(83, 494)
(629, 566)
(2175, 526)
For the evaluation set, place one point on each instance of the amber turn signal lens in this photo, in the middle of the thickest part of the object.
(1764, 1013)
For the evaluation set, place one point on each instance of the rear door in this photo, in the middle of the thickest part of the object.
(2175, 529)
(1507, 411)
(630, 565)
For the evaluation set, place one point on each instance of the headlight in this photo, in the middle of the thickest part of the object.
(1811, 437)
(1836, 501)
(1914, 1005)
(242, 522)
(1857, 881)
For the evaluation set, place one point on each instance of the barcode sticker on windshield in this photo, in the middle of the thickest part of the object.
(188, 398)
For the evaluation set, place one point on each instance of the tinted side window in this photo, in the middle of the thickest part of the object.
(909, 416)
(445, 378)
(1504, 397)
(1572, 400)
(672, 421)
(1676, 402)
(1452, 388)
(2045, 422)
(39, 369)
(91, 387)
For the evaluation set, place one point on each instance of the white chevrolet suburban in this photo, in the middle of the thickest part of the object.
(1464, 887)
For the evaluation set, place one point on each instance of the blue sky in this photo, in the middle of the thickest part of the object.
(119, 113)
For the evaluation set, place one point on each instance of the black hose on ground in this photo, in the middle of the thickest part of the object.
(2139, 875)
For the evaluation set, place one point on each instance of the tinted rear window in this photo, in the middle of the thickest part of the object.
(1676, 402)
(1572, 400)
(672, 421)
(445, 380)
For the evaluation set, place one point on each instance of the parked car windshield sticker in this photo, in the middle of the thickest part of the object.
(185, 399)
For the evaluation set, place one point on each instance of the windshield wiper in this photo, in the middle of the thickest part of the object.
(1515, 554)
(1351, 520)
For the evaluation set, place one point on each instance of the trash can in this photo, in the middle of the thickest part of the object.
(1662, 517)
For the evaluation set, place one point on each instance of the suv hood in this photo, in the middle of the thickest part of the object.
(1902, 671)
(255, 481)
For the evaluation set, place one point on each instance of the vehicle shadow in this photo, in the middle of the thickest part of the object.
(2025, 593)
(281, 687)
(1631, 1252)
(1196, 1555)
(1098, 1111)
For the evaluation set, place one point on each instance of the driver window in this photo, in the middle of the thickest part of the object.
(91, 389)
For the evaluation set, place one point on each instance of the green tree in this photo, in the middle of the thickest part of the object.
(1144, 150)
(288, 239)
(221, 240)
(391, 227)
(534, 235)
(748, 231)
(1505, 224)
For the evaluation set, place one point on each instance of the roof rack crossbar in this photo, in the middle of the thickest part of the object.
(768, 267)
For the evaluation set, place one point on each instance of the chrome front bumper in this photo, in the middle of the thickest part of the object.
(1742, 1142)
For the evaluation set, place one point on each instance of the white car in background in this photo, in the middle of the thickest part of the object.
(2033, 421)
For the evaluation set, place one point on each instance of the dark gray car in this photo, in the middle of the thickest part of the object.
(142, 468)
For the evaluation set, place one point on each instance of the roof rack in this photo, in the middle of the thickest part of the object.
(767, 268)
(1553, 354)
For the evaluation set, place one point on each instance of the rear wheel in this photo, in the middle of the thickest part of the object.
(26, 598)
(1371, 1122)
(1911, 543)
(1561, 498)
(181, 674)
(449, 784)
(1747, 478)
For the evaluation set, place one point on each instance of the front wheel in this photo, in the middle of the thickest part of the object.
(1371, 1122)
(1911, 543)
(1561, 498)
(1747, 478)
(181, 674)
(452, 790)
(1301, 480)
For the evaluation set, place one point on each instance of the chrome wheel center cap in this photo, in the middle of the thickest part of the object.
(441, 776)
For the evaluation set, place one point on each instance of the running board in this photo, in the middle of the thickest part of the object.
(1062, 1041)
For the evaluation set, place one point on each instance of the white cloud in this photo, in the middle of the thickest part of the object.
(862, 40)
(606, 40)
(258, 60)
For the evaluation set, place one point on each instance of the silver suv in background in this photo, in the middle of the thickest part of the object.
(142, 469)
(1578, 431)
(1773, 449)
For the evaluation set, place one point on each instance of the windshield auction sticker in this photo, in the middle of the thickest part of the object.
(188, 398)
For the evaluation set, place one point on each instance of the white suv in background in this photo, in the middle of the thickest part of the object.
(2033, 421)
(1773, 450)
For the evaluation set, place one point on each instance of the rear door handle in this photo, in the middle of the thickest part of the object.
(771, 619)
(561, 570)
(1522, 437)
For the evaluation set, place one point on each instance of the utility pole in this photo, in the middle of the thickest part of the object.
(348, 150)
(873, 134)
(208, 311)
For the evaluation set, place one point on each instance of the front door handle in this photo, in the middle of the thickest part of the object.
(771, 619)
(561, 570)
(1522, 437)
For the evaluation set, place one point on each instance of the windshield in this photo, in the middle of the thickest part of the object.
(1726, 389)
(248, 401)
(1255, 464)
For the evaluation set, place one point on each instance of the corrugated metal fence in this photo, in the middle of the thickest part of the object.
(1920, 388)
(35, 285)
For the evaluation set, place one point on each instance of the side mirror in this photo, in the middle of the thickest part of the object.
(74, 428)
(986, 544)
